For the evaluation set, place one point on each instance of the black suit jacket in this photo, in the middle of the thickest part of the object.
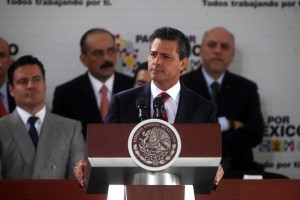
(238, 100)
(191, 109)
(76, 99)
(11, 102)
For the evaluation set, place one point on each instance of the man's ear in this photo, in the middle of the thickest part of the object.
(184, 63)
(200, 50)
(83, 59)
(11, 90)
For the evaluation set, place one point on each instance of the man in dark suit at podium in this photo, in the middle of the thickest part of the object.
(82, 97)
(237, 100)
(168, 56)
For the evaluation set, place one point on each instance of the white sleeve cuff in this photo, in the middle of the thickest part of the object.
(224, 124)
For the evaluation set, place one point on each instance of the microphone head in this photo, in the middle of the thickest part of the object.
(140, 103)
(157, 102)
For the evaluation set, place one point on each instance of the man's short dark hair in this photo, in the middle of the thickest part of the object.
(83, 47)
(142, 66)
(24, 60)
(172, 34)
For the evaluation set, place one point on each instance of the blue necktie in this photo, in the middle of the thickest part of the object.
(32, 130)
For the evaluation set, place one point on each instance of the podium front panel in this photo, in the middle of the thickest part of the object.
(109, 161)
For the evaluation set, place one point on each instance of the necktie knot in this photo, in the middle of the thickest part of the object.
(32, 120)
(164, 96)
(103, 90)
(215, 86)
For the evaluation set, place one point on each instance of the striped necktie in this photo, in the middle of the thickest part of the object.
(164, 98)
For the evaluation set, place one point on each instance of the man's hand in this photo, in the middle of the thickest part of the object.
(81, 166)
(219, 175)
(238, 124)
(79, 172)
(234, 124)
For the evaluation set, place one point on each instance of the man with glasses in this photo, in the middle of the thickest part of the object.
(86, 97)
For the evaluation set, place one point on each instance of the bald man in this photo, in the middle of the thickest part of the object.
(236, 97)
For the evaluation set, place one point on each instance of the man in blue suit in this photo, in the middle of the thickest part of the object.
(168, 56)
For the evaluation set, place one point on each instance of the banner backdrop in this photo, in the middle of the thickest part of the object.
(267, 37)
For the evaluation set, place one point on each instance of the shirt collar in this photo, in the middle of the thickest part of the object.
(173, 91)
(25, 115)
(97, 85)
(209, 80)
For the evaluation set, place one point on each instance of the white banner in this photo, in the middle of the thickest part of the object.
(267, 49)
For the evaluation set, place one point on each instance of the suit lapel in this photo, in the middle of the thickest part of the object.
(184, 106)
(88, 103)
(146, 94)
(117, 84)
(22, 138)
(226, 91)
(200, 84)
(50, 133)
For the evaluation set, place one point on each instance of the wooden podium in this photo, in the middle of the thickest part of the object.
(109, 161)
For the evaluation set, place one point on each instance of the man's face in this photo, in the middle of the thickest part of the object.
(164, 64)
(29, 87)
(5, 60)
(217, 51)
(142, 78)
(100, 55)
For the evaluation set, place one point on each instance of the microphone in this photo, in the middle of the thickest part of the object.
(158, 107)
(141, 106)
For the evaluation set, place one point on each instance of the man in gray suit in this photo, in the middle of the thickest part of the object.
(47, 148)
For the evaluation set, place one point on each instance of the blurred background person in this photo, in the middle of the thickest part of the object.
(237, 100)
(141, 75)
(86, 97)
(7, 102)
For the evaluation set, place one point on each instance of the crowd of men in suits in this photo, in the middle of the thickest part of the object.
(236, 106)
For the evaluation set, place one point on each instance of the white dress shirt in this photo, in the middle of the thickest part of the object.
(171, 106)
(25, 115)
(97, 85)
(209, 80)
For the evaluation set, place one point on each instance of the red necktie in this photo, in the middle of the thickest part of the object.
(3, 110)
(164, 97)
(104, 102)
